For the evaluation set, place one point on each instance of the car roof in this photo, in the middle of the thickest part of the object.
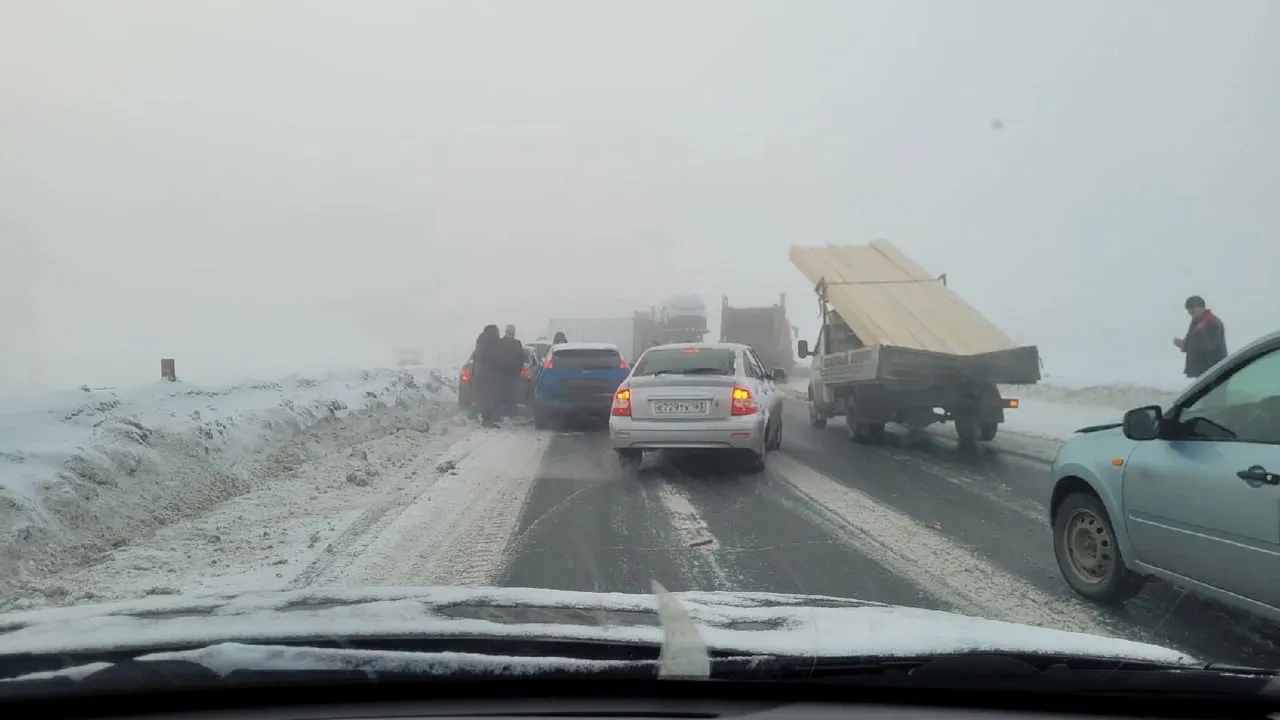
(701, 346)
(584, 346)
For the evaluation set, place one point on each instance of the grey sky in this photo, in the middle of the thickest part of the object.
(258, 186)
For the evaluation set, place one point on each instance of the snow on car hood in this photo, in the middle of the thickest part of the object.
(765, 623)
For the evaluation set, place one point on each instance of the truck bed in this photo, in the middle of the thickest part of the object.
(890, 364)
(887, 299)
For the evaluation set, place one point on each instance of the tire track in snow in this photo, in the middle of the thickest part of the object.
(694, 548)
(953, 574)
(417, 479)
(458, 531)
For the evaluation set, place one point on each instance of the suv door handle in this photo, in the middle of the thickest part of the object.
(1259, 474)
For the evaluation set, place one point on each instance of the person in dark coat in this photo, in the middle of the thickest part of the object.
(487, 374)
(559, 339)
(513, 361)
(1206, 340)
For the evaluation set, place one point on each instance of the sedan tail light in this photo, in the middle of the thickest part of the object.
(524, 372)
(621, 403)
(743, 402)
(465, 376)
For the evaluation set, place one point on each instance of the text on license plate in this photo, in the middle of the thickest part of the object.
(680, 407)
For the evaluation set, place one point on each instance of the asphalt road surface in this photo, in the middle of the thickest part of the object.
(925, 526)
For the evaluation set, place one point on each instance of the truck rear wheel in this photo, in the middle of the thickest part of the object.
(817, 418)
(988, 431)
(861, 432)
(966, 429)
(870, 433)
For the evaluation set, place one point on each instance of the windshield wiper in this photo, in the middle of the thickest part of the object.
(1032, 672)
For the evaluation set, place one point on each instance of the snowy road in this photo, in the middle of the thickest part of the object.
(926, 527)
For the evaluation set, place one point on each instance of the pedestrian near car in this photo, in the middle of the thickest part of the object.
(487, 374)
(513, 361)
(1205, 343)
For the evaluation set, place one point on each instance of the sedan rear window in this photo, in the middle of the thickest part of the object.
(585, 359)
(710, 361)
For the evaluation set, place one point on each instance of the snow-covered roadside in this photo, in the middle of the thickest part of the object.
(83, 473)
(1114, 397)
(403, 508)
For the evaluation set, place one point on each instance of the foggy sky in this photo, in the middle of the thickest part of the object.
(261, 186)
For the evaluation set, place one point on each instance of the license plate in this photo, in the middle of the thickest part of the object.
(680, 407)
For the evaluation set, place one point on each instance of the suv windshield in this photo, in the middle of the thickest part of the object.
(718, 361)
(585, 359)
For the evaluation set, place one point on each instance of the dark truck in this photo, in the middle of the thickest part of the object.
(911, 351)
(765, 329)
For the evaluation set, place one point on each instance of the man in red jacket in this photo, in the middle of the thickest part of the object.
(1206, 340)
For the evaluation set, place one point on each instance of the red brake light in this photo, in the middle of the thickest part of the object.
(466, 373)
(547, 365)
(524, 372)
(690, 351)
(621, 403)
(743, 403)
(623, 364)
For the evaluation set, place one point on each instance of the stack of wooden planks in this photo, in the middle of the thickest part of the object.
(887, 299)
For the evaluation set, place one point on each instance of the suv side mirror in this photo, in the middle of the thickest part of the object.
(778, 375)
(802, 348)
(1143, 423)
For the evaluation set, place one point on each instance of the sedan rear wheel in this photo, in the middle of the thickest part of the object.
(630, 460)
(774, 437)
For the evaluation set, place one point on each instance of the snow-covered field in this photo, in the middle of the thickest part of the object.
(85, 472)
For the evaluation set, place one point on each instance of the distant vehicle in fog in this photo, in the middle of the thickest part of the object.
(405, 357)
(764, 329)
(681, 319)
(684, 312)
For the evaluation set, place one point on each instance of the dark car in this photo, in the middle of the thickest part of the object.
(524, 395)
(466, 395)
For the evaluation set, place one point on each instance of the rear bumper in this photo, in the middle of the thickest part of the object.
(740, 433)
(575, 405)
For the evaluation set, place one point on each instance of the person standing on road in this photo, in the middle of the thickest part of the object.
(559, 339)
(487, 374)
(514, 359)
(1206, 340)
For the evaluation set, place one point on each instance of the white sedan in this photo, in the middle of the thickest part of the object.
(698, 397)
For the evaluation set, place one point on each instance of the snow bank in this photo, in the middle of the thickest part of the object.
(1056, 421)
(1104, 395)
(1112, 396)
(83, 472)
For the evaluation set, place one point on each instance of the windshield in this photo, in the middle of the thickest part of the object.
(325, 299)
(686, 360)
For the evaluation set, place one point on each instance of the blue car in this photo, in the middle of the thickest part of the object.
(577, 381)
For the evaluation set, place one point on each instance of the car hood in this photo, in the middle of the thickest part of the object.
(1090, 444)
(750, 623)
